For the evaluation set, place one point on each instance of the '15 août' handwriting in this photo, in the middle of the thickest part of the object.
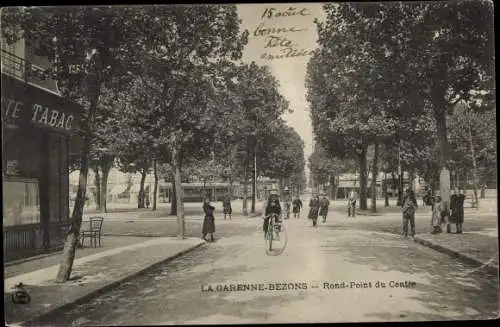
(271, 13)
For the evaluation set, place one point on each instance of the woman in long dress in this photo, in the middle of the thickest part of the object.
(314, 210)
(209, 221)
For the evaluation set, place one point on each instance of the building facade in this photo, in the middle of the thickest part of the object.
(37, 127)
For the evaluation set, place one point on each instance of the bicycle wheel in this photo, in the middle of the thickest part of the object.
(280, 242)
(270, 234)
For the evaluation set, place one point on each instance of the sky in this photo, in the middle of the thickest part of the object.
(290, 71)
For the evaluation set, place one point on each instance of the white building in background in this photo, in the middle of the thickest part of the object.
(351, 181)
(122, 187)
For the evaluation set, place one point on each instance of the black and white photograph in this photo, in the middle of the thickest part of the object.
(249, 163)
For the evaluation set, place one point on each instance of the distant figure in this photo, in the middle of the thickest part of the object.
(226, 205)
(314, 210)
(147, 202)
(297, 206)
(209, 221)
(409, 207)
(351, 203)
(324, 204)
(427, 198)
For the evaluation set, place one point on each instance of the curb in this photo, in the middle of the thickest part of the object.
(35, 321)
(466, 258)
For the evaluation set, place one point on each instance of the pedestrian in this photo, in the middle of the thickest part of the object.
(209, 221)
(454, 209)
(226, 205)
(324, 204)
(460, 211)
(297, 206)
(147, 202)
(437, 213)
(351, 203)
(408, 208)
(288, 202)
(314, 210)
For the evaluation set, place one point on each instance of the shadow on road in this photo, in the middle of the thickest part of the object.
(466, 293)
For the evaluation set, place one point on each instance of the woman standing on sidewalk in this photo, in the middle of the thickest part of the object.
(460, 211)
(209, 221)
(437, 215)
(409, 207)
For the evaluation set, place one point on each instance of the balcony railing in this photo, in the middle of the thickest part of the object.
(22, 69)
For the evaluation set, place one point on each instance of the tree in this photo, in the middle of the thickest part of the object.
(473, 140)
(407, 47)
(282, 155)
(253, 106)
(85, 44)
(186, 48)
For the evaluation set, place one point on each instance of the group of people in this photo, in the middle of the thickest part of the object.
(318, 208)
(444, 214)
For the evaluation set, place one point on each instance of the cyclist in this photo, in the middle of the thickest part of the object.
(273, 207)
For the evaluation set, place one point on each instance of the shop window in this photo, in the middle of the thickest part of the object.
(21, 202)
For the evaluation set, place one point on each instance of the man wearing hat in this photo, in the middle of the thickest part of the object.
(324, 204)
(273, 206)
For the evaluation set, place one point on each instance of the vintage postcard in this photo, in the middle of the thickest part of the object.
(249, 163)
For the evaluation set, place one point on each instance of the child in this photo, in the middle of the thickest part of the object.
(437, 215)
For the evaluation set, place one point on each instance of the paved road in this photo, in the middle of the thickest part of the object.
(439, 287)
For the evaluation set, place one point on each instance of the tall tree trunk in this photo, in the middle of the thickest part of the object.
(337, 186)
(173, 199)
(107, 164)
(363, 181)
(386, 194)
(97, 182)
(440, 107)
(474, 165)
(374, 178)
(411, 180)
(395, 183)
(254, 180)
(181, 226)
(401, 187)
(155, 190)
(140, 200)
(245, 189)
(72, 239)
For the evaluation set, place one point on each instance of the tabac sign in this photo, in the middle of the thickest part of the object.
(24, 104)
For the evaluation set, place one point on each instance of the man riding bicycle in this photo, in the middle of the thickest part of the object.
(272, 207)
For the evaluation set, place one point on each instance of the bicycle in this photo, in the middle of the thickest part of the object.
(275, 227)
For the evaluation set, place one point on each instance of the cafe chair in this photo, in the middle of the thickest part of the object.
(93, 233)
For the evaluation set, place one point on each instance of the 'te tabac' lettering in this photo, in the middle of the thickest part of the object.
(52, 118)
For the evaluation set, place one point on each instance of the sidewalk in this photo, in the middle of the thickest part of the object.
(92, 275)
(478, 245)
(472, 247)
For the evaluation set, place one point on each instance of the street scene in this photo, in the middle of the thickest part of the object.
(249, 163)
